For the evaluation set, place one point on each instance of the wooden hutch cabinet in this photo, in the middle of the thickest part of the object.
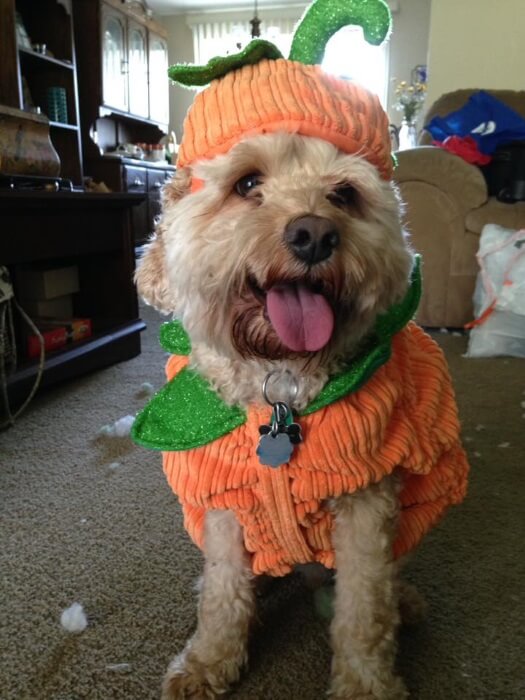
(124, 98)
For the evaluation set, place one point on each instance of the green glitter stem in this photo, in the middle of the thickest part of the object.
(326, 17)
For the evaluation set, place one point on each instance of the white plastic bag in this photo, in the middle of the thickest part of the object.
(499, 297)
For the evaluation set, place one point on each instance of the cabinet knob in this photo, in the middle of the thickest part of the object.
(157, 185)
(137, 182)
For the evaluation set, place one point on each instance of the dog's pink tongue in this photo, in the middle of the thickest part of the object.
(302, 319)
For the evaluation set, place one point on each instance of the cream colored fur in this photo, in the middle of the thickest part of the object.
(211, 250)
(208, 243)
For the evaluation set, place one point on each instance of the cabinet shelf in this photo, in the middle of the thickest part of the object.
(91, 232)
(74, 353)
(62, 125)
(29, 54)
(107, 111)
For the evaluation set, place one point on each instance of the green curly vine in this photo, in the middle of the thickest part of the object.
(319, 23)
(326, 17)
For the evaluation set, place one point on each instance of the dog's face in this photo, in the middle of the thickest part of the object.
(290, 249)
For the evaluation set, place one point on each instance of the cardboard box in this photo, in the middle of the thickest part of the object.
(35, 283)
(58, 333)
(59, 307)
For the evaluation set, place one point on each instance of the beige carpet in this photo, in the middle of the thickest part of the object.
(75, 526)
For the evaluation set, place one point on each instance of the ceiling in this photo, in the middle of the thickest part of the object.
(169, 7)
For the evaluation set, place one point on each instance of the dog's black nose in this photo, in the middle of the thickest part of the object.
(312, 239)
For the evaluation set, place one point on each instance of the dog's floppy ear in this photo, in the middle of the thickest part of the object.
(150, 277)
(176, 188)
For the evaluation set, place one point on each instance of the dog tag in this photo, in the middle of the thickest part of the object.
(294, 433)
(277, 440)
(274, 450)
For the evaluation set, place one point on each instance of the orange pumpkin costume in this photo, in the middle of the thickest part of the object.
(405, 416)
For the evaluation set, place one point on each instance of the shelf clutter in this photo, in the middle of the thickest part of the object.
(47, 296)
(71, 258)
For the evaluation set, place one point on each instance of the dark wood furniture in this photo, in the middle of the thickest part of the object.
(26, 74)
(138, 176)
(91, 231)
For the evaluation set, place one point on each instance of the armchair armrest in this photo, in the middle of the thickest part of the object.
(461, 181)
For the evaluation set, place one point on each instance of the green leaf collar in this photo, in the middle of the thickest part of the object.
(187, 413)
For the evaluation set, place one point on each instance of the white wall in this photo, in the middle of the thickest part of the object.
(476, 44)
(408, 45)
(180, 50)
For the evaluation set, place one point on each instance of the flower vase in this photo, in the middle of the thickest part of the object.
(407, 134)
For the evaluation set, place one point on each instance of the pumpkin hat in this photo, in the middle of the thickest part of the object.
(258, 91)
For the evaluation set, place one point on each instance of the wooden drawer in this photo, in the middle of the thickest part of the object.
(156, 178)
(135, 179)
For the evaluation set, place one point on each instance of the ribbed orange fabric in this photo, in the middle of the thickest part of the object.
(405, 416)
(286, 96)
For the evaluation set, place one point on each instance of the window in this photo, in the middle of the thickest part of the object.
(347, 54)
(215, 38)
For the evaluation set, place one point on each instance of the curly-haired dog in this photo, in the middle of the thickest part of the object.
(289, 216)
(281, 252)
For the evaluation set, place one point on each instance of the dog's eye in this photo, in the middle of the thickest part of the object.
(246, 184)
(344, 195)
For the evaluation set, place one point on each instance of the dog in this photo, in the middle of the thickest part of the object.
(279, 261)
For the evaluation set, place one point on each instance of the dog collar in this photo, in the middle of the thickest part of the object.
(187, 413)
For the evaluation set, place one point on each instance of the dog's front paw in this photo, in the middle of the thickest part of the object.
(348, 686)
(188, 678)
(185, 686)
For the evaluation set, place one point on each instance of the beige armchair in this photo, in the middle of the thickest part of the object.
(446, 207)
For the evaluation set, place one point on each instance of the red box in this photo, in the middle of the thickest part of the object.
(57, 334)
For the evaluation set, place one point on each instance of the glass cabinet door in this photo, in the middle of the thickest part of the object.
(159, 97)
(114, 60)
(138, 70)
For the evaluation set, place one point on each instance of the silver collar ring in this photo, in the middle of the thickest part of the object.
(294, 385)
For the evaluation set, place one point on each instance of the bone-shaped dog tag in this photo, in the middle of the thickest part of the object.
(293, 430)
(277, 440)
(274, 450)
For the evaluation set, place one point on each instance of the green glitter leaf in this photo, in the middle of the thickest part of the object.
(349, 381)
(325, 17)
(378, 350)
(184, 414)
(174, 339)
(398, 315)
(191, 75)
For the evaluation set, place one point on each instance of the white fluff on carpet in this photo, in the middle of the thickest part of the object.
(146, 389)
(73, 619)
(120, 428)
(119, 668)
